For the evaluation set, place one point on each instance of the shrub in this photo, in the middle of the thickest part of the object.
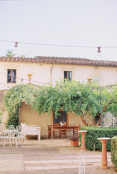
(114, 151)
(97, 132)
(1, 117)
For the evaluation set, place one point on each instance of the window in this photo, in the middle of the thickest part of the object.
(11, 76)
(62, 117)
(97, 78)
(68, 75)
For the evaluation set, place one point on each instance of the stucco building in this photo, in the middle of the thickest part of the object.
(14, 71)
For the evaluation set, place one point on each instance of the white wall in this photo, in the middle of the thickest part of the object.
(41, 73)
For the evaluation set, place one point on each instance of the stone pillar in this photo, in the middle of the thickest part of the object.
(83, 139)
(104, 153)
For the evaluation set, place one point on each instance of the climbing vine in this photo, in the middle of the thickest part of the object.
(1, 117)
(73, 97)
(13, 99)
(81, 98)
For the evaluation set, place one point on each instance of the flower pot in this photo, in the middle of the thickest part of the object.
(74, 143)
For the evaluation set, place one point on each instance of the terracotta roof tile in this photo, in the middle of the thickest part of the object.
(60, 60)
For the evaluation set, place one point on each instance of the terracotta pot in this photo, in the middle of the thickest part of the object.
(74, 143)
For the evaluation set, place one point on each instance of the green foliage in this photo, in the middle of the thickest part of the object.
(13, 99)
(10, 53)
(1, 117)
(97, 132)
(114, 151)
(68, 99)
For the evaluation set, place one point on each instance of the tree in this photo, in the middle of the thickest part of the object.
(81, 98)
(74, 97)
(10, 53)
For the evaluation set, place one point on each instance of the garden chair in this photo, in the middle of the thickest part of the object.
(4, 138)
(21, 138)
(18, 128)
(75, 131)
(14, 138)
(63, 131)
(50, 132)
(11, 127)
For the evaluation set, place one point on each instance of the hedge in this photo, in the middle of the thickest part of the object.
(97, 132)
(114, 151)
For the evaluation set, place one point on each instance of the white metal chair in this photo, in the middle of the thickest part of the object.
(14, 138)
(11, 127)
(21, 138)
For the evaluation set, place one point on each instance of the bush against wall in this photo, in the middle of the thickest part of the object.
(1, 117)
(97, 132)
(114, 151)
(13, 99)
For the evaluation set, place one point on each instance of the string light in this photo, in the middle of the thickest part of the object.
(16, 43)
(99, 51)
(58, 45)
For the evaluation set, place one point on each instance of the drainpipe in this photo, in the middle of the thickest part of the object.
(51, 74)
(51, 113)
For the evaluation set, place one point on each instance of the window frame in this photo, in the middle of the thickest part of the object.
(68, 75)
(11, 81)
(58, 123)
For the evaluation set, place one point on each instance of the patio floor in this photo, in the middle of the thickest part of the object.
(49, 157)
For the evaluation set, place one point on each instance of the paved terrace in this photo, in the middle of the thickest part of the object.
(49, 157)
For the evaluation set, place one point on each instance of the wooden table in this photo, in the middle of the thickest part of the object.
(74, 127)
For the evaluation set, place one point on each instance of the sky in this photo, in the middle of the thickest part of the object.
(90, 23)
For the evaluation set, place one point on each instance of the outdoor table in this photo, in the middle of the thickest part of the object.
(4, 138)
(9, 132)
(74, 127)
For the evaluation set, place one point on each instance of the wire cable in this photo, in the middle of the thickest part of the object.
(74, 46)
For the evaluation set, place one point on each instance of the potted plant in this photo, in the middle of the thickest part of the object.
(74, 141)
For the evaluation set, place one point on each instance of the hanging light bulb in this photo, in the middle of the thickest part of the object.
(93, 89)
(16, 43)
(15, 48)
(78, 91)
(45, 91)
(52, 96)
(99, 51)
